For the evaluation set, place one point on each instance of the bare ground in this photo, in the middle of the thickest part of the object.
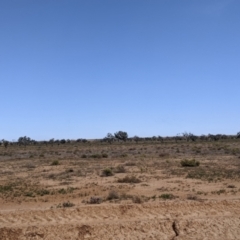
(66, 191)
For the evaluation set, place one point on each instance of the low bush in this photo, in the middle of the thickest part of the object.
(68, 204)
(192, 197)
(167, 196)
(95, 200)
(55, 163)
(137, 199)
(43, 192)
(104, 155)
(107, 172)
(129, 179)
(96, 156)
(6, 188)
(120, 169)
(130, 164)
(190, 163)
(123, 155)
(65, 204)
(112, 195)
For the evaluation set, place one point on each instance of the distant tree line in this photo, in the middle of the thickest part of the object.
(122, 136)
(186, 136)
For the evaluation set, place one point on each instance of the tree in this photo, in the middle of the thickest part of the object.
(136, 139)
(189, 136)
(109, 138)
(203, 137)
(154, 138)
(120, 135)
(238, 135)
(213, 137)
(51, 141)
(160, 138)
(5, 143)
(24, 140)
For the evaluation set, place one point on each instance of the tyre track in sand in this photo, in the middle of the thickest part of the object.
(162, 220)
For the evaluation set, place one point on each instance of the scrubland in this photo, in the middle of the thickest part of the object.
(121, 190)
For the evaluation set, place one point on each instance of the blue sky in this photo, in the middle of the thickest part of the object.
(83, 68)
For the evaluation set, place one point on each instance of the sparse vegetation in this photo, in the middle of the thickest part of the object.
(107, 172)
(120, 169)
(95, 200)
(167, 196)
(190, 163)
(30, 173)
(129, 179)
(55, 163)
(113, 195)
(137, 199)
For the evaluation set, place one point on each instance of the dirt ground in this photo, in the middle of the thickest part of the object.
(123, 190)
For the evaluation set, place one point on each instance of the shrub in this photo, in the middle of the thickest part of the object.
(166, 196)
(120, 169)
(129, 179)
(6, 188)
(120, 135)
(55, 163)
(124, 155)
(43, 192)
(163, 155)
(190, 163)
(113, 195)
(62, 191)
(192, 197)
(137, 199)
(29, 194)
(96, 156)
(104, 155)
(130, 164)
(95, 200)
(68, 204)
(107, 172)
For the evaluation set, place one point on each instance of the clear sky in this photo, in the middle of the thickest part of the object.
(83, 68)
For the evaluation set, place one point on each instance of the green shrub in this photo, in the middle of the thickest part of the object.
(104, 155)
(123, 155)
(43, 192)
(55, 163)
(166, 196)
(29, 194)
(113, 195)
(96, 156)
(137, 199)
(190, 163)
(120, 169)
(62, 191)
(68, 204)
(129, 179)
(107, 172)
(130, 164)
(6, 188)
(95, 200)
